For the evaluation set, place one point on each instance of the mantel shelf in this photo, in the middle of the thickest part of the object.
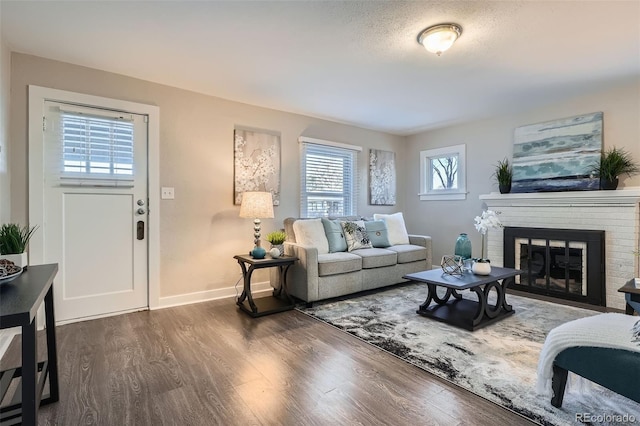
(625, 196)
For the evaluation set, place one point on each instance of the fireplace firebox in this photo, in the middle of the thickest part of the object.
(560, 263)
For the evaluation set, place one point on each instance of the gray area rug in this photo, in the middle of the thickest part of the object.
(497, 362)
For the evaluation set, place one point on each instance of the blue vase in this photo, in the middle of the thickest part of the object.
(463, 246)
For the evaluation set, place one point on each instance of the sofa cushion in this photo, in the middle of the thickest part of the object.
(338, 263)
(378, 233)
(335, 235)
(408, 253)
(310, 232)
(395, 226)
(377, 257)
(356, 235)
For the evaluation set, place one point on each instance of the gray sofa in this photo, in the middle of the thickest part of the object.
(322, 276)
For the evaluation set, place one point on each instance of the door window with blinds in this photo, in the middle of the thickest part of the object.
(96, 147)
(328, 179)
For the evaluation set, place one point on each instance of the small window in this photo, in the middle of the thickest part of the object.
(95, 147)
(328, 178)
(442, 173)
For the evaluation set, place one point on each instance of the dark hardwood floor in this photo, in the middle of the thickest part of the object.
(209, 364)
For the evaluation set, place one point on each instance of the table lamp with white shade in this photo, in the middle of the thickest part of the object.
(257, 205)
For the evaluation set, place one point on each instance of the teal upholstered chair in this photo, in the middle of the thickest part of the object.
(615, 369)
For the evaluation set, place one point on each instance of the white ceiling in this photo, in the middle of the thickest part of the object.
(356, 62)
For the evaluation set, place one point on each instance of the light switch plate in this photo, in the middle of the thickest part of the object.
(167, 193)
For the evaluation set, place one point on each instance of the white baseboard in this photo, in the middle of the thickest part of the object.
(260, 289)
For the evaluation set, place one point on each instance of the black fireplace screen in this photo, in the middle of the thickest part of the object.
(562, 263)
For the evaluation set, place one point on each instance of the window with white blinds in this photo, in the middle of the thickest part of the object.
(328, 180)
(96, 147)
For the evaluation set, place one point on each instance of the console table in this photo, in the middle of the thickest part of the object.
(19, 303)
(464, 313)
(280, 301)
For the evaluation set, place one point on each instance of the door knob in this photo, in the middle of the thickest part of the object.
(141, 211)
(141, 202)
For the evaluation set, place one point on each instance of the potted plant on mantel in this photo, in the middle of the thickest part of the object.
(14, 240)
(613, 163)
(503, 175)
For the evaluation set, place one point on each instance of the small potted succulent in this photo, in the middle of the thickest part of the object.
(14, 240)
(503, 175)
(613, 163)
(277, 239)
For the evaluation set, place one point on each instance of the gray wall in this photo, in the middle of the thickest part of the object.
(200, 229)
(491, 140)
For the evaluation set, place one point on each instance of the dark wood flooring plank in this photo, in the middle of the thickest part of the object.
(210, 364)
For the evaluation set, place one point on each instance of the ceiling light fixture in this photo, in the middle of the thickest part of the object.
(438, 38)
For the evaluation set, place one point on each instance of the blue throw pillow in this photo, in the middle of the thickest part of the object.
(378, 234)
(335, 236)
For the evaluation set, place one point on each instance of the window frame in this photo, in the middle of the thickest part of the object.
(352, 187)
(427, 191)
(72, 119)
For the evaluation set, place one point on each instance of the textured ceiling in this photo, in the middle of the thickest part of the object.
(356, 62)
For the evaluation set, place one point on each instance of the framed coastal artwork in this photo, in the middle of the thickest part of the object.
(558, 155)
(256, 163)
(382, 178)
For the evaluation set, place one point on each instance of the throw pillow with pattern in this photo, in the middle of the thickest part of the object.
(356, 235)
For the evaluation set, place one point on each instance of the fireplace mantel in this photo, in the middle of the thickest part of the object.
(626, 196)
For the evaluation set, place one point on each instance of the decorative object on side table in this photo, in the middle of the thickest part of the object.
(277, 239)
(488, 219)
(14, 240)
(452, 265)
(257, 205)
(463, 246)
(503, 175)
(613, 163)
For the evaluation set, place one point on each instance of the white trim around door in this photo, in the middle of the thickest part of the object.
(37, 97)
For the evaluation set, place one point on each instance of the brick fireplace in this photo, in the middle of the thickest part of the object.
(617, 213)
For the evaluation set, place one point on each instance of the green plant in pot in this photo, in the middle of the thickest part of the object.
(503, 175)
(14, 240)
(277, 239)
(613, 163)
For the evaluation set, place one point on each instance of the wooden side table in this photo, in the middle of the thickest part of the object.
(632, 296)
(280, 300)
(19, 303)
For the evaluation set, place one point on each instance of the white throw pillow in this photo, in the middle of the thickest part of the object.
(356, 235)
(310, 232)
(395, 226)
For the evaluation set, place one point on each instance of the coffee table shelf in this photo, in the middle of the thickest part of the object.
(464, 313)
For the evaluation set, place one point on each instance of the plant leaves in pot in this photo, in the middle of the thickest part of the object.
(503, 175)
(14, 240)
(277, 239)
(613, 163)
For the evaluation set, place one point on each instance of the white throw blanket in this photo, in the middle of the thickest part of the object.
(602, 331)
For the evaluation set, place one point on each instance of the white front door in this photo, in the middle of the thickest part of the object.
(95, 209)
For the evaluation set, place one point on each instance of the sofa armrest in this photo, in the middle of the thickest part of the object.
(302, 281)
(424, 241)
